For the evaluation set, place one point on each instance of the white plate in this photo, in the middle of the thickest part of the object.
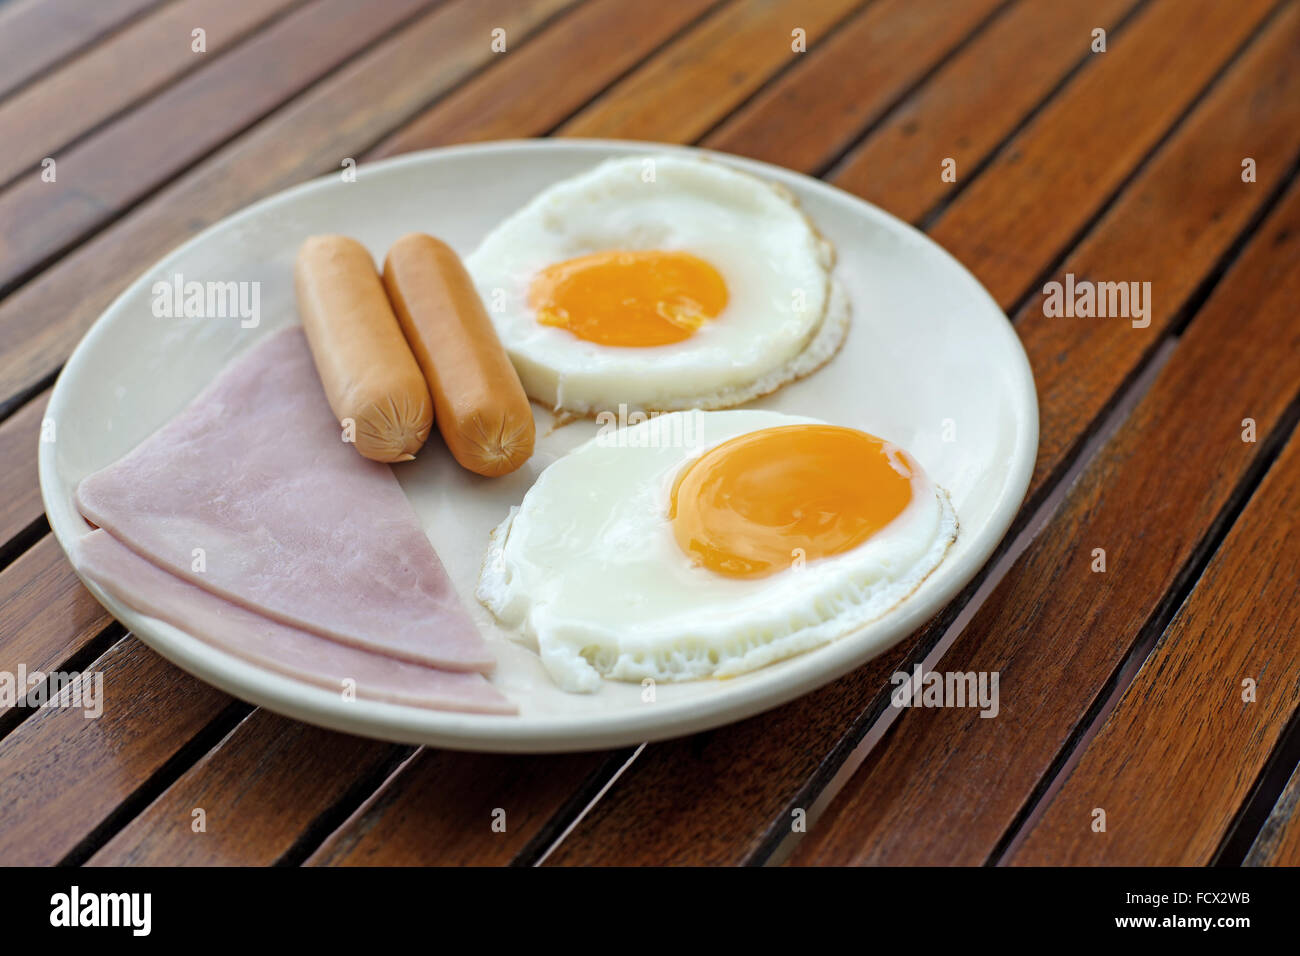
(930, 362)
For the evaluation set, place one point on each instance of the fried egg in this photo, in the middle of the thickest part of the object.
(660, 283)
(707, 544)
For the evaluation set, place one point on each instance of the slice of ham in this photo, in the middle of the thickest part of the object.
(278, 647)
(251, 494)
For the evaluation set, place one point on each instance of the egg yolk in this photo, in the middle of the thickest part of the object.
(768, 500)
(629, 298)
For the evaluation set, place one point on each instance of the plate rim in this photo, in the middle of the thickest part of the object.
(559, 733)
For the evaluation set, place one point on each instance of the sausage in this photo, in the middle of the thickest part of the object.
(369, 373)
(479, 403)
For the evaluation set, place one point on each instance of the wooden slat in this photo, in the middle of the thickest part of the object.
(1182, 749)
(448, 809)
(62, 773)
(1278, 842)
(259, 790)
(20, 493)
(711, 799)
(946, 785)
(1179, 216)
(48, 615)
(36, 34)
(106, 172)
(341, 116)
(128, 66)
(679, 94)
(818, 108)
(1169, 228)
(528, 92)
(973, 103)
(1089, 138)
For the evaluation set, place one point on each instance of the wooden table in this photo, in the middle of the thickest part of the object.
(1160, 692)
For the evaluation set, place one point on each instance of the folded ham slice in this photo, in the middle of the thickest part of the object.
(251, 494)
(278, 647)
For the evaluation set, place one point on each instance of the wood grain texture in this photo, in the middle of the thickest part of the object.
(111, 169)
(48, 615)
(972, 104)
(682, 92)
(460, 809)
(340, 117)
(846, 81)
(1183, 748)
(535, 87)
(259, 791)
(139, 60)
(1053, 629)
(36, 34)
(713, 799)
(1278, 842)
(1170, 227)
(1088, 139)
(723, 796)
(20, 493)
(63, 773)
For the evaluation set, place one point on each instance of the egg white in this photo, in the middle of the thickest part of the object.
(588, 571)
(784, 317)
